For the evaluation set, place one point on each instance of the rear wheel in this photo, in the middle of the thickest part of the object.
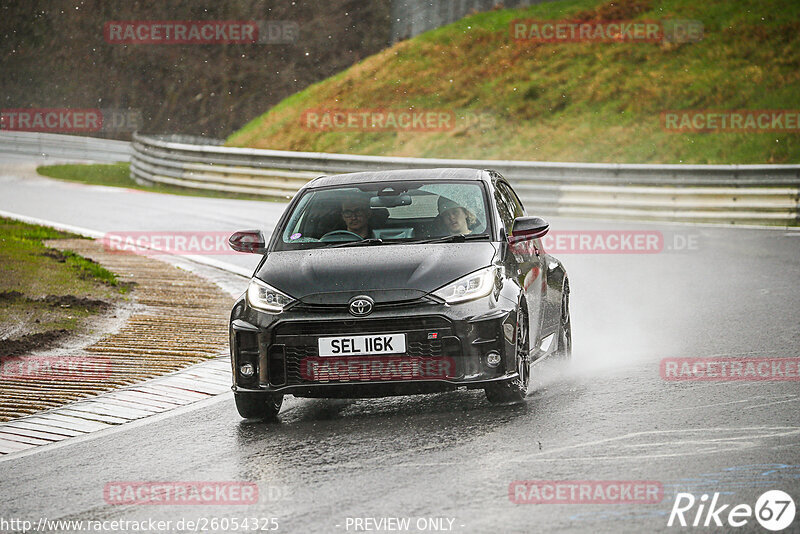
(564, 349)
(258, 405)
(514, 391)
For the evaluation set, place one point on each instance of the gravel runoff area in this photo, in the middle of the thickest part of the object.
(179, 319)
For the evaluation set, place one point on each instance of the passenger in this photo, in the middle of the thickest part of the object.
(355, 214)
(456, 218)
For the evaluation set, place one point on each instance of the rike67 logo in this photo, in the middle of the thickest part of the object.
(774, 510)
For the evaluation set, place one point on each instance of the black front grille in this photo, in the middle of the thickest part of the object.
(424, 348)
(294, 355)
(300, 339)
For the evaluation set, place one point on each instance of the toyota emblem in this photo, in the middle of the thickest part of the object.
(361, 306)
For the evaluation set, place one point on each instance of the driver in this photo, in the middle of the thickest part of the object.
(355, 214)
(456, 218)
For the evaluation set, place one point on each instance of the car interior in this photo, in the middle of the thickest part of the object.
(394, 213)
(324, 215)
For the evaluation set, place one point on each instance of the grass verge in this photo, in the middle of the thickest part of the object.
(118, 175)
(46, 294)
(574, 102)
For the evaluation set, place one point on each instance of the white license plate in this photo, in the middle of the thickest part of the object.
(362, 345)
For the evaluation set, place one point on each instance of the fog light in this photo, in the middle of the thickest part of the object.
(247, 369)
(493, 359)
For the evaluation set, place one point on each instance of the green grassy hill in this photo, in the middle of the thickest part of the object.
(569, 101)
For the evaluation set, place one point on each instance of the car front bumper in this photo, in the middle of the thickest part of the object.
(447, 347)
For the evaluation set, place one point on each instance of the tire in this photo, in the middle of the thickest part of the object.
(563, 352)
(514, 391)
(259, 405)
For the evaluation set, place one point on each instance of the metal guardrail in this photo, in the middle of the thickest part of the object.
(59, 146)
(733, 194)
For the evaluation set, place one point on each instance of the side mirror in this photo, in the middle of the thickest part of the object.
(529, 228)
(251, 241)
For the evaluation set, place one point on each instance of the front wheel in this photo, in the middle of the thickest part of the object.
(258, 405)
(514, 391)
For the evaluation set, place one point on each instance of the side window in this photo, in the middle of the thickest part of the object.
(506, 215)
(519, 210)
(508, 205)
(513, 205)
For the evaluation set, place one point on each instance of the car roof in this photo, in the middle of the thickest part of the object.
(398, 175)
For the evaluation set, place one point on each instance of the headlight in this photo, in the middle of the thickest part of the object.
(265, 297)
(473, 286)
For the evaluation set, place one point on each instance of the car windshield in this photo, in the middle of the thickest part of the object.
(378, 213)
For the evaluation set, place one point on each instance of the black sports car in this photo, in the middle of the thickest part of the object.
(394, 283)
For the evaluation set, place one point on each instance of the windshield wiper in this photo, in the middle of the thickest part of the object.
(457, 238)
(371, 241)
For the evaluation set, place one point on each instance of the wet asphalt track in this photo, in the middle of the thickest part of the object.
(609, 416)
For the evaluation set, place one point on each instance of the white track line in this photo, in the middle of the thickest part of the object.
(94, 234)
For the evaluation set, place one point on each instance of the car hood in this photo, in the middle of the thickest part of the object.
(387, 273)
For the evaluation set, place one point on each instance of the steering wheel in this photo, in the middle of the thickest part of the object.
(339, 235)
